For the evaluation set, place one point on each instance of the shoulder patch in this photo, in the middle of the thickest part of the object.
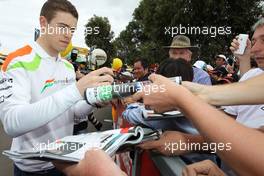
(20, 52)
(29, 66)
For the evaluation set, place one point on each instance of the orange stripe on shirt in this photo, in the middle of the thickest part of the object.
(20, 52)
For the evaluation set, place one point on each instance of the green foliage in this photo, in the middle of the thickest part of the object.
(127, 45)
(99, 34)
(145, 34)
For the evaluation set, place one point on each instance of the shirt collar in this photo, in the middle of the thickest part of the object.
(43, 54)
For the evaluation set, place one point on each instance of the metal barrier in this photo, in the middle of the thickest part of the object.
(168, 166)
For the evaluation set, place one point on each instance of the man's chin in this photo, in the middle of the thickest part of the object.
(60, 49)
(139, 76)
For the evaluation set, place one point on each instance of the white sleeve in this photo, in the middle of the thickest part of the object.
(233, 110)
(82, 108)
(19, 115)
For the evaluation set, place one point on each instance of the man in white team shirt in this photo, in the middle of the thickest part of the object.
(39, 94)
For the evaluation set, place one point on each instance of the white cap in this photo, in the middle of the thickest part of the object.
(221, 56)
(200, 64)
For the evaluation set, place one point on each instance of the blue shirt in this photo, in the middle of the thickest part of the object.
(200, 76)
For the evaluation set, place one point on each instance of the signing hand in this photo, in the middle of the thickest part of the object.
(102, 76)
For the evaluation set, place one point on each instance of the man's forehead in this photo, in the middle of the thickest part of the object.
(65, 18)
(219, 58)
(138, 63)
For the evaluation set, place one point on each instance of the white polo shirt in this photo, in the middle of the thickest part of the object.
(250, 115)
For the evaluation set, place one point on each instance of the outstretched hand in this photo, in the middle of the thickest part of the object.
(162, 95)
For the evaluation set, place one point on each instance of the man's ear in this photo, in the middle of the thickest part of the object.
(170, 51)
(189, 51)
(43, 22)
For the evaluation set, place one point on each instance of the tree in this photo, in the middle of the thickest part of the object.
(219, 22)
(98, 33)
(128, 43)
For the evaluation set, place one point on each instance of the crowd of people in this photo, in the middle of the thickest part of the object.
(44, 97)
(226, 70)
